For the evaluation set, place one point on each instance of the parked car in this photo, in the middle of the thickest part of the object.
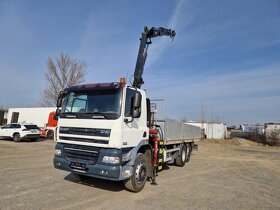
(19, 131)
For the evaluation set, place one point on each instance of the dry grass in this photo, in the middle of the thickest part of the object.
(234, 141)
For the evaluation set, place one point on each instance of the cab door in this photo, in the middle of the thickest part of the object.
(134, 130)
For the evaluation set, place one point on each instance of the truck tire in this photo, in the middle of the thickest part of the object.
(188, 152)
(16, 137)
(50, 135)
(139, 177)
(182, 157)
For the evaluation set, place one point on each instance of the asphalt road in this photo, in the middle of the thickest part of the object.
(219, 176)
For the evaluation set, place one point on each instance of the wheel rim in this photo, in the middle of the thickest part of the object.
(140, 173)
(16, 137)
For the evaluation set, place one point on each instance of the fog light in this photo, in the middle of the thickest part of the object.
(104, 173)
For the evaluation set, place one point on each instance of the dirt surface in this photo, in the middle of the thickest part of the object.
(234, 174)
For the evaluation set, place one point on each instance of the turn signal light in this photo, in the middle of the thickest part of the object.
(122, 81)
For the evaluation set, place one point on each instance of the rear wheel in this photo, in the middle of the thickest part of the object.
(16, 137)
(188, 152)
(139, 177)
(50, 135)
(182, 157)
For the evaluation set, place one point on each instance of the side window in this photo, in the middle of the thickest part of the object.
(129, 94)
(13, 126)
(7, 126)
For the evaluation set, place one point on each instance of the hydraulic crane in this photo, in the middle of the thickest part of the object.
(147, 35)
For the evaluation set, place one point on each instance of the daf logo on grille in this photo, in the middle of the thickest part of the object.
(105, 132)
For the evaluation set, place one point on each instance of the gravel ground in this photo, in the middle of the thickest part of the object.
(220, 175)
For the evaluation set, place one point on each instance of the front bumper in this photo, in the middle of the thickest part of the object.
(100, 171)
(91, 168)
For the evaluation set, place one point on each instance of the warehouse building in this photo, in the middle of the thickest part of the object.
(212, 130)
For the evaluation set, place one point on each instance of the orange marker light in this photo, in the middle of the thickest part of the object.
(122, 81)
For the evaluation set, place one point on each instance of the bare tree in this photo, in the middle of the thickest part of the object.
(62, 72)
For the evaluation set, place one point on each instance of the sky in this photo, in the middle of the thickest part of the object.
(224, 60)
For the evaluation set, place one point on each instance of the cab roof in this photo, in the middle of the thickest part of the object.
(94, 86)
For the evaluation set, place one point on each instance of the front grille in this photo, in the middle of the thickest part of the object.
(81, 154)
(85, 131)
(97, 141)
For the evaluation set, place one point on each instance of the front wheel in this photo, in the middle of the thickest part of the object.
(16, 137)
(139, 177)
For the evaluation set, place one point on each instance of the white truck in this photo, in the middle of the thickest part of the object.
(110, 130)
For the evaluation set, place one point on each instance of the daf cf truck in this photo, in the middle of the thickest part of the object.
(111, 130)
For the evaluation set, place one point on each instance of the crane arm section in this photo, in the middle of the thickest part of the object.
(145, 41)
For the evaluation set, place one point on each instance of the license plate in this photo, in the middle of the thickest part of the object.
(34, 131)
(79, 166)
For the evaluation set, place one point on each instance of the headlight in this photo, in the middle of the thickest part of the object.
(112, 160)
(58, 152)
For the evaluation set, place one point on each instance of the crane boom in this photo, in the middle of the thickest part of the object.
(145, 41)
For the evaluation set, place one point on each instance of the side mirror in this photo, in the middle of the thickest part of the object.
(136, 100)
(57, 113)
(61, 95)
(59, 102)
(136, 105)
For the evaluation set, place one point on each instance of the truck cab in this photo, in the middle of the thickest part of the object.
(100, 128)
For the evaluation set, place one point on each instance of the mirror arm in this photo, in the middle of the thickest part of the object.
(128, 121)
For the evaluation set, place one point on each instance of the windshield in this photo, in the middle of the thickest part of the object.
(98, 104)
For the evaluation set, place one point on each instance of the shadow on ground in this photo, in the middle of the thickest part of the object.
(26, 140)
(97, 183)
